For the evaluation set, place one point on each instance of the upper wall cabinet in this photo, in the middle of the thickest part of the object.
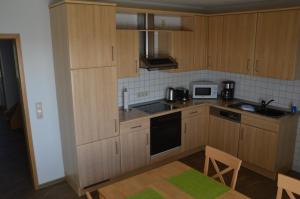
(239, 42)
(201, 36)
(277, 44)
(215, 43)
(127, 53)
(92, 31)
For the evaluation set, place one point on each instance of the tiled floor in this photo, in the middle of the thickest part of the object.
(15, 180)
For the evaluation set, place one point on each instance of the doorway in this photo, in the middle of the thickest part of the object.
(17, 162)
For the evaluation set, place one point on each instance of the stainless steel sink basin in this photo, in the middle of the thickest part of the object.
(254, 108)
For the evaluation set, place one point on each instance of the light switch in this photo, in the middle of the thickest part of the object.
(39, 110)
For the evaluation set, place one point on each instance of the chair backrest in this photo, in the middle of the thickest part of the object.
(233, 163)
(290, 185)
(88, 195)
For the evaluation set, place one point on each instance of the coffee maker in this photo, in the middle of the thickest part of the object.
(228, 90)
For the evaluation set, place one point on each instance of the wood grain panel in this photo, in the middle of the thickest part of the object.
(224, 135)
(127, 53)
(258, 147)
(239, 43)
(261, 122)
(277, 44)
(95, 104)
(99, 161)
(201, 42)
(92, 31)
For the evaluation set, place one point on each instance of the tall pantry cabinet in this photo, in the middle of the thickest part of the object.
(83, 35)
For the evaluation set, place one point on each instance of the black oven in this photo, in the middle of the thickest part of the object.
(165, 133)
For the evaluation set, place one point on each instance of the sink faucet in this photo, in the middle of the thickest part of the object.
(264, 104)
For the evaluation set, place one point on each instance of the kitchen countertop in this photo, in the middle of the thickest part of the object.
(135, 114)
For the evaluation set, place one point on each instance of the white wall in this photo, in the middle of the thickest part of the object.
(31, 19)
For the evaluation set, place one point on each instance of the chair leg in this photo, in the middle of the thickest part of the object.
(279, 193)
(206, 165)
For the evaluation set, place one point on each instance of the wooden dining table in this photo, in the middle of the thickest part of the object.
(156, 179)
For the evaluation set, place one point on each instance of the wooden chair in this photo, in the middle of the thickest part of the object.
(290, 185)
(88, 195)
(232, 162)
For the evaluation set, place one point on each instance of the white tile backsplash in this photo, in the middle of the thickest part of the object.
(251, 88)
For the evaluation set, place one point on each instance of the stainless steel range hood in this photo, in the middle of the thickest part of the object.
(152, 59)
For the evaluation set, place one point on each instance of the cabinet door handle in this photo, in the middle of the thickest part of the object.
(116, 125)
(248, 65)
(256, 66)
(117, 147)
(113, 53)
(135, 127)
(147, 139)
(185, 128)
(137, 66)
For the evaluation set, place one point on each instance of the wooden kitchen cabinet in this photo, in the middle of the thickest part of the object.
(224, 134)
(215, 43)
(99, 161)
(195, 128)
(91, 34)
(127, 53)
(239, 42)
(183, 50)
(201, 42)
(277, 44)
(95, 104)
(135, 144)
(258, 147)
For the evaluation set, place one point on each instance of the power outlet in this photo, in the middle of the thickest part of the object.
(143, 94)
(39, 110)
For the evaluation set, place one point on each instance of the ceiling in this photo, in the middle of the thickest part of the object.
(209, 5)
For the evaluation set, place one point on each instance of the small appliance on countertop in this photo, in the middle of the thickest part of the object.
(228, 90)
(204, 90)
(170, 94)
(182, 94)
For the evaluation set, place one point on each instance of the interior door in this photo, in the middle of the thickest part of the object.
(224, 135)
(92, 31)
(95, 104)
(98, 161)
(277, 43)
(239, 42)
(258, 147)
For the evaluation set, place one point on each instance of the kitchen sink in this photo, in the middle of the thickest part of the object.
(254, 108)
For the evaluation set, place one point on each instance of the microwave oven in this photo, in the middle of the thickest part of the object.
(204, 90)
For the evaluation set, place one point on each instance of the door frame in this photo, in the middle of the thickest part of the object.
(25, 108)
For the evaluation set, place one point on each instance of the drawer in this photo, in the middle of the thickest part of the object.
(260, 122)
(134, 125)
(195, 111)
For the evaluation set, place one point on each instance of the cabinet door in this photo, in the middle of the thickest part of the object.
(277, 44)
(258, 147)
(183, 51)
(224, 135)
(91, 35)
(201, 36)
(98, 161)
(195, 131)
(127, 53)
(239, 42)
(95, 104)
(135, 149)
(215, 43)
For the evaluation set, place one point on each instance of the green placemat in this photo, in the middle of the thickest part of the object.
(198, 185)
(146, 194)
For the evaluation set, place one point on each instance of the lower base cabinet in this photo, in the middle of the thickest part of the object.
(135, 145)
(99, 161)
(258, 147)
(195, 128)
(224, 135)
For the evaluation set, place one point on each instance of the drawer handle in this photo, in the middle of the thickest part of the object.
(194, 112)
(135, 127)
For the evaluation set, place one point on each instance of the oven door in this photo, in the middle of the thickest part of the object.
(165, 133)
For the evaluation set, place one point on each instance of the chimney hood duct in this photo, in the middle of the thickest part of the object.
(152, 60)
